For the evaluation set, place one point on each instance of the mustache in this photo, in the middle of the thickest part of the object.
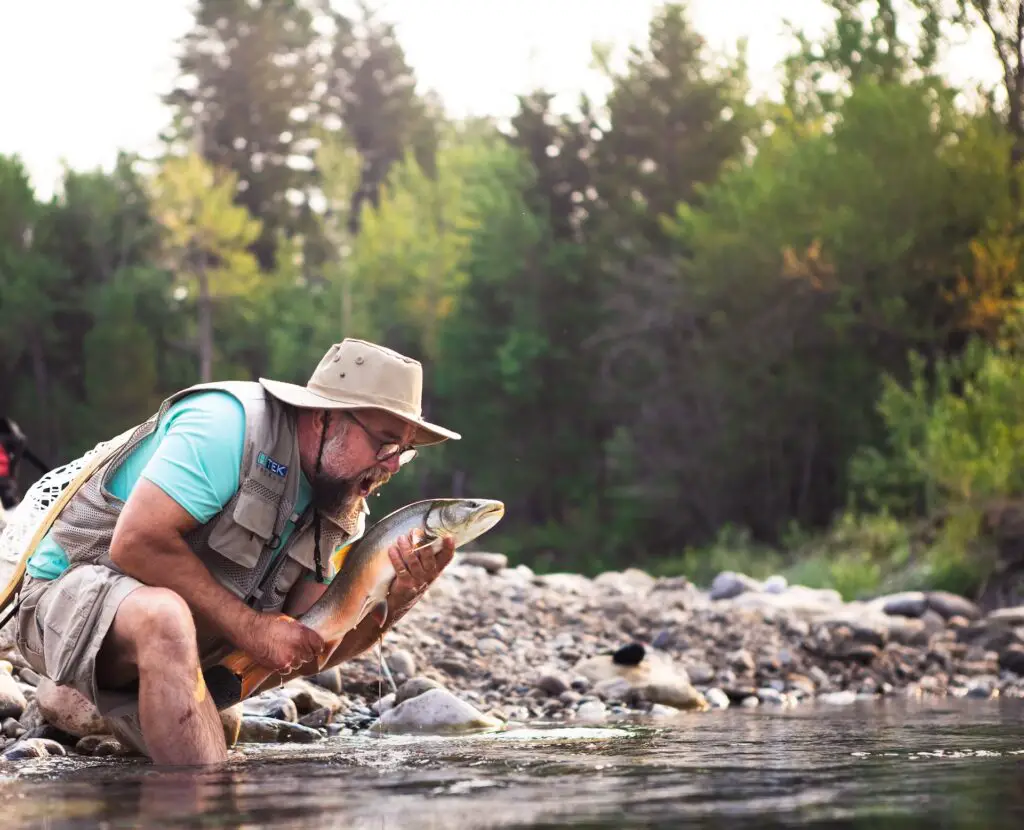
(336, 496)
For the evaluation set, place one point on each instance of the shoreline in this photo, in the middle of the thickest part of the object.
(490, 644)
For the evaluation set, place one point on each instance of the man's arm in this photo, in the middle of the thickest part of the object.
(149, 545)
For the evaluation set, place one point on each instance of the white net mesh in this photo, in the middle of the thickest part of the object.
(23, 520)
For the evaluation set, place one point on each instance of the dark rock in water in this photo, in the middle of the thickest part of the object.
(32, 748)
(737, 694)
(103, 746)
(12, 728)
(270, 705)
(51, 733)
(309, 697)
(317, 718)
(663, 639)
(270, 730)
(950, 605)
(412, 688)
(1012, 659)
(629, 655)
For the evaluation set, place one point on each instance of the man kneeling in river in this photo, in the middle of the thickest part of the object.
(203, 534)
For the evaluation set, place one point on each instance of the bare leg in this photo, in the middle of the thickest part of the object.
(153, 638)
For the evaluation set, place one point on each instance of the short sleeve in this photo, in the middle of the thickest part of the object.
(197, 461)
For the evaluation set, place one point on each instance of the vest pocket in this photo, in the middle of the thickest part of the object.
(250, 528)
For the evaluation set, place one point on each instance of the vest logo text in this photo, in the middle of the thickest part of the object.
(271, 466)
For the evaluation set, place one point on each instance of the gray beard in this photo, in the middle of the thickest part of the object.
(338, 499)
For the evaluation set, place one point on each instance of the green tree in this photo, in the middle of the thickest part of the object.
(245, 101)
(207, 240)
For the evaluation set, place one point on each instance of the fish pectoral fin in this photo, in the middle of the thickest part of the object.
(331, 647)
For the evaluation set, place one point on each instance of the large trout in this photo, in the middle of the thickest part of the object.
(361, 584)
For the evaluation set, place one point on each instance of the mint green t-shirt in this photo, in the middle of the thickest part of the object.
(194, 456)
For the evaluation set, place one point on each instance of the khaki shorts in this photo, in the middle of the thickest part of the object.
(62, 624)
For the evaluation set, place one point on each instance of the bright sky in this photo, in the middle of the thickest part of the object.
(79, 80)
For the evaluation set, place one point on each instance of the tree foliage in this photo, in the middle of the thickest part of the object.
(670, 317)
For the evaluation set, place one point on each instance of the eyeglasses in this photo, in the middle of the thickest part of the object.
(387, 449)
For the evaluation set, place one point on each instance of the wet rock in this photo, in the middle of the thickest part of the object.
(716, 698)
(592, 711)
(12, 699)
(435, 710)
(729, 584)
(270, 705)
(12, 728)
(737, 694)
(751, 702)
(261, 730)
(309, 697)
(844, 698)
(102, 746)
(949, 605)
(379, 707)
(679, 694)
(231, 721)
(493, 563)
(659, 711)
(1012, 659)
(402, 663)
(768, 695)
(329, 679)
(413, 687)
(68, 709)
(316, 719)
(32, 748)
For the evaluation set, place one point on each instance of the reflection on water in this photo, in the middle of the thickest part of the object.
(954, 764)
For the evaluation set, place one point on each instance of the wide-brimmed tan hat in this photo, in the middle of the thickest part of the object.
(355, 374)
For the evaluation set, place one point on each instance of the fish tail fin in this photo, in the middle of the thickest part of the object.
(234, 679)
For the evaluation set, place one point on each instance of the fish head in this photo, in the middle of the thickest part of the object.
(463, 519)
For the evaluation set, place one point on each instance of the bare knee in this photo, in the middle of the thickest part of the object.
(161, 628)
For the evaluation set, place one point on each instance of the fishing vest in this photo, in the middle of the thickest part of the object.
(236, 545)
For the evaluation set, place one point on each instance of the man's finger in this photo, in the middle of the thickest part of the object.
(414, 566)
(444, 556)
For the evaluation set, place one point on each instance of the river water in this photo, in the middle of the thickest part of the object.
(952, 764)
